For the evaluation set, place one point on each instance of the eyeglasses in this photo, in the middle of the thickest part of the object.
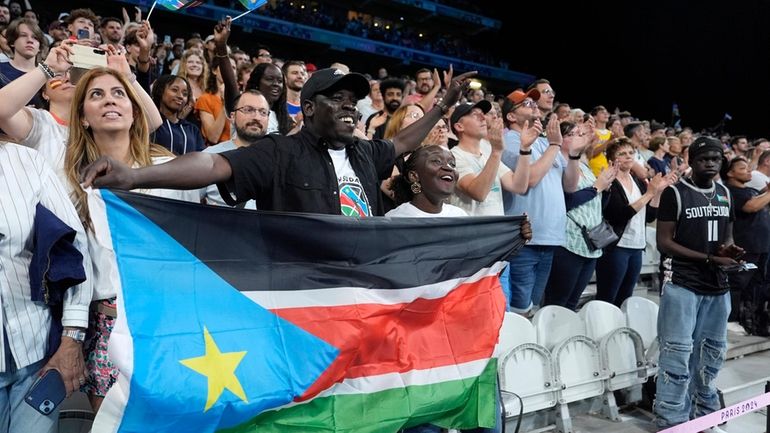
(629, 153)
(267, 56)
(250, 111)
(548, 92)
(575, 133)
(529, 103)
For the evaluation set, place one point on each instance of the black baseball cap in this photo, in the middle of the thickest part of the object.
(705, 144)
(327, 79)
(465, 109)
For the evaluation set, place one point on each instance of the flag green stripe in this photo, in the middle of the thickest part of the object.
(463, 403)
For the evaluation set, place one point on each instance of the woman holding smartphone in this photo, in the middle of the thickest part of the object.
(110, 117)
(46, 130)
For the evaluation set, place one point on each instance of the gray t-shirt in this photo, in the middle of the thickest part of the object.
(468, 163)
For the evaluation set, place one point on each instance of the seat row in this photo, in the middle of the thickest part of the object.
(561, 357)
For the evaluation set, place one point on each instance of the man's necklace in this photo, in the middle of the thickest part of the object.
(713, 193)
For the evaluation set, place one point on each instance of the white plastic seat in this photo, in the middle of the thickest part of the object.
(577, 362)
(516, 330)
(621, 348)
(650, 255)
(642, 316)
(554, 324)
(526, 368)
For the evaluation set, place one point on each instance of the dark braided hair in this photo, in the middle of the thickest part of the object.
(160, 85)
(401, 186)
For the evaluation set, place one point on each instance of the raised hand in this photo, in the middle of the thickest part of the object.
(458, 86)
(495, 134)
(605, 178)
(222, 32)
(448, 76)
(657, 184)
(116, 60)
(553, 131)
(529, 133)
(145, 37)
(436, 79)
(59, 58)
(378, 120)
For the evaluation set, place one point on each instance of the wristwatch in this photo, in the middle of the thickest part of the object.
(78, 335)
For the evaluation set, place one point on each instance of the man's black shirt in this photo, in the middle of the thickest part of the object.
(296, 174)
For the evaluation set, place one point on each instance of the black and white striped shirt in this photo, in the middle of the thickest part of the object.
(26, 180)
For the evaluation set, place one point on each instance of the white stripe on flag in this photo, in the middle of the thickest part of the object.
(340, 296)
(384, 382)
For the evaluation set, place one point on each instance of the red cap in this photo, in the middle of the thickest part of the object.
(310, 67)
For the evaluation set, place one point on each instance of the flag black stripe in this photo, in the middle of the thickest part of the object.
(291, 251)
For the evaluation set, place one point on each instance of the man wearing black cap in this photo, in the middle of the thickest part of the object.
(321, 169)
(695, 229)
(481, 175)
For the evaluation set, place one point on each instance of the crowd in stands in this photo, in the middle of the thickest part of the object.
(191, 113)
(363, 25)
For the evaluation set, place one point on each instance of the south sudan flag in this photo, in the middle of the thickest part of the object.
(240, 321)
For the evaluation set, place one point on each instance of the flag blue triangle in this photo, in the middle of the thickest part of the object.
(169, 297)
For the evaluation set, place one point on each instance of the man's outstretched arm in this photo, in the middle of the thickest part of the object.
(189, 171)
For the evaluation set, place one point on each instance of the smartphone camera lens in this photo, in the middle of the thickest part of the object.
(46, 406)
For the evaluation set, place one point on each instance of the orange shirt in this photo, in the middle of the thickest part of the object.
(213, 104)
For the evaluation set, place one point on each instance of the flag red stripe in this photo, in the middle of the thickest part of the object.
(376, 339)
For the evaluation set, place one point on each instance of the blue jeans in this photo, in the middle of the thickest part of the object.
(692, 330)
(15, 414)
(570, 274)
(617, 272)
(529, 274)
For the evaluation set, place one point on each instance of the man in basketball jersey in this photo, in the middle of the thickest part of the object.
(695, 229)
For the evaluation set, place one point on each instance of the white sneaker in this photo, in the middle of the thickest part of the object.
(714, 429)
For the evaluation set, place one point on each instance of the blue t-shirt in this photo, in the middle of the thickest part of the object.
(9, 74)
(544, 203)
(659, 165)
(180, 138)
(293, 109)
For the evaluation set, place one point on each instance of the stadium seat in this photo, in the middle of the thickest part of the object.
(554, 324)
(526, 368)
(642, 316)
(621, 349)
(651, 257)
(576, 358)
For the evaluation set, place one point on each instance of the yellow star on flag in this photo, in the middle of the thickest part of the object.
(219, 369)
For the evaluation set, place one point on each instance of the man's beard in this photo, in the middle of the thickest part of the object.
(393, 106)
(246, 135)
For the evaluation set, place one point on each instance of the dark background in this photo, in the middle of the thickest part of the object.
(710, 58)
